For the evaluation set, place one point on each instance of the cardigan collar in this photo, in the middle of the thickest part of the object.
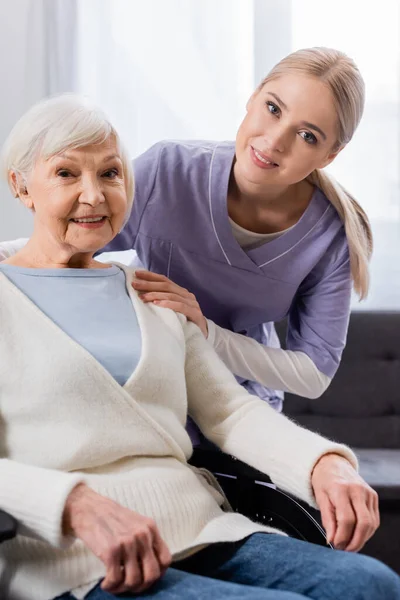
(126, 393)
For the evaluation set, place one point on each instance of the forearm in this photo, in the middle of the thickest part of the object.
(286, 452)
(7, 249)
(286, 370)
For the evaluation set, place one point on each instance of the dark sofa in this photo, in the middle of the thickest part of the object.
(362, 408)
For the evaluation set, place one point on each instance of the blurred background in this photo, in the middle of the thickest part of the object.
(185, 69)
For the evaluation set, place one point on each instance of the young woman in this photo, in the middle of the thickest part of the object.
(254, 231)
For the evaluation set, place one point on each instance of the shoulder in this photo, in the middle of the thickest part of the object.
(330, 230)
(169, 153)
(174, 320)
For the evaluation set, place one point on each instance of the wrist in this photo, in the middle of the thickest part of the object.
(330, 458)
(74, 506)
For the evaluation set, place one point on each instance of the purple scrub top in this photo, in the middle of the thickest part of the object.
(179, 227)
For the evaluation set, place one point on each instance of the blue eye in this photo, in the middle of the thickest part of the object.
(308, 137)
(272, 108)
(111, 173)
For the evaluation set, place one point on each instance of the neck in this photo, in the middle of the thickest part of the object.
(266, 209)
(263, 196)
(44, 254)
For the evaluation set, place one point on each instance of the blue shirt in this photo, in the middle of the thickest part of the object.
(179, 226)
(92, 306)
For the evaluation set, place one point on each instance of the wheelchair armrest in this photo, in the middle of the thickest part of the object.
(225, 464)
(248, 492)
(8, 526)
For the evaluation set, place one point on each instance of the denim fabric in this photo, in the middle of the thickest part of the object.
(270, 567)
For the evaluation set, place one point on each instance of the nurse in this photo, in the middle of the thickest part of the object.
(242, 234)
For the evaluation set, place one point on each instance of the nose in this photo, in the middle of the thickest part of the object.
(276, 138)
(91, 191)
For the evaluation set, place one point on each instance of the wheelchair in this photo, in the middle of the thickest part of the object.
(248, 491)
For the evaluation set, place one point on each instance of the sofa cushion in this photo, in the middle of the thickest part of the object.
(381, 469)
(361, 407)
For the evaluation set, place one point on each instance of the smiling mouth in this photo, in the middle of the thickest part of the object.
(89, 220)
(263, 159)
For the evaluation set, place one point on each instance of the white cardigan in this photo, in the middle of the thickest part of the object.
(286, 370)
(64, 419)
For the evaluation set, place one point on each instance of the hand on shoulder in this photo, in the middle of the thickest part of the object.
(160, 290)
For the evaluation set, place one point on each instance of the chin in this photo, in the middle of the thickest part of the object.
(93, 245)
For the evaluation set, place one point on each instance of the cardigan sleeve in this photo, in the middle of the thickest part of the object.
(242, 425)
(36, 498)
(7, 249)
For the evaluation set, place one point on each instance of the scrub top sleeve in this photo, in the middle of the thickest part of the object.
(319, 317)
(145, 168)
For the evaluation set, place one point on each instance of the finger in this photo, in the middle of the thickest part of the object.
(345, 519)
(131, 569)
(180, 307)
(374, 506)
(114, 574)
(152, 296)
(328, 517)
(365, 522)
(163, 286)
(149, 275)
(151, 569)
(162, 551)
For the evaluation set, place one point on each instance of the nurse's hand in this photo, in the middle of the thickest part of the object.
(348, 505)
(128, 544)
(164, 292)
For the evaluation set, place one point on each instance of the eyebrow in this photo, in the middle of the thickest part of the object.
(106, 159)
(305, 123)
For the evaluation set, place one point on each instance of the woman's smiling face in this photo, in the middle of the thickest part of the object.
(79, 197)
(289, 130)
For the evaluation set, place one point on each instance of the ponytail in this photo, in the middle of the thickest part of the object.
(356, 226)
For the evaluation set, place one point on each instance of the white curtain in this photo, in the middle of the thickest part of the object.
(185, 68)
(38, 50)
(60, 23)
(168, 68)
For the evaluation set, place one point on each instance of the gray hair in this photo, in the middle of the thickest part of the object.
(57, 124)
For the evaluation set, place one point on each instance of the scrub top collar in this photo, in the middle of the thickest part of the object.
(220, 169)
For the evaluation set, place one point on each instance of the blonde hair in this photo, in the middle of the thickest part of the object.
(57, 124)
(346, 85)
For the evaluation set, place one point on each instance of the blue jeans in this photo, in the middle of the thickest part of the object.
(270, 567)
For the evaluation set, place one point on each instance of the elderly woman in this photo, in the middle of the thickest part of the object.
(96, 387)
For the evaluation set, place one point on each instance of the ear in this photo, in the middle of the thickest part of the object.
(20, 190)
(330, 158)
(12, 180)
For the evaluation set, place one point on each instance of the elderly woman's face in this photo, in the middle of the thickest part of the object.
(79, 196)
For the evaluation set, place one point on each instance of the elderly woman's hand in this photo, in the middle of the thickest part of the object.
(129, 544)
(164, 292)
(348, 505)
